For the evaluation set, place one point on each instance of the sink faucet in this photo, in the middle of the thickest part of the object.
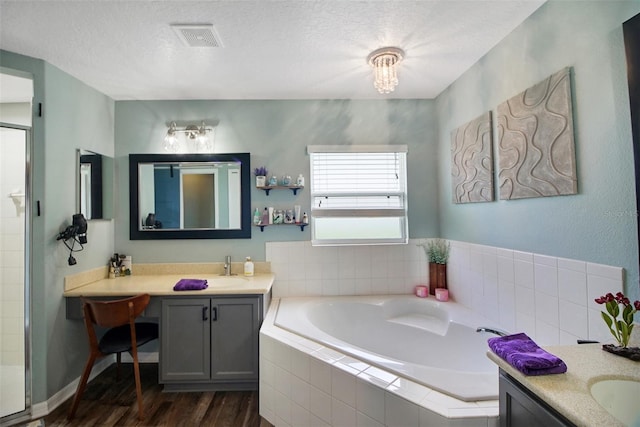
(227, 265)
(495, 331)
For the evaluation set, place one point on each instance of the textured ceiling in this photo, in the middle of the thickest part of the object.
(287, 49)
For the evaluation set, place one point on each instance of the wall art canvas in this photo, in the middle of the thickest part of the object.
(536, 147)
(472, 161)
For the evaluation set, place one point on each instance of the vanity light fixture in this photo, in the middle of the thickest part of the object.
(197, 138)
(384, 62)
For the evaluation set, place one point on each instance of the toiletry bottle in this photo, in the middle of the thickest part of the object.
(248, 267)
(271, 212)
(296, 217)
(300, 181)
(257, 218)
(305, 218)
(265, 216)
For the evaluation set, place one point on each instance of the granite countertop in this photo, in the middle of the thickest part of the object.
(162, 284)
(569, 393)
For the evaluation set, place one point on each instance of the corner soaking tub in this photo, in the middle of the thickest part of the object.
(427, 341)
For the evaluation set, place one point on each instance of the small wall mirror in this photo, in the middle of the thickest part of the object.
(189, 196)
(95, 185)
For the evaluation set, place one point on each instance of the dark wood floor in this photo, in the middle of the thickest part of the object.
(109, 402)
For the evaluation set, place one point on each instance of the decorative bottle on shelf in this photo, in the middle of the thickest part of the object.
(288, 216)
(278, 216)
(300, 181)
(248, 267)
(305, 218)
(257, 218)
(265, 216)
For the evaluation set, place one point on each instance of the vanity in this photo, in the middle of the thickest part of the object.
(588, 394)
(209, 339)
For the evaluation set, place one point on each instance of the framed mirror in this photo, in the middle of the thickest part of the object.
(94, 192)
(190, 196)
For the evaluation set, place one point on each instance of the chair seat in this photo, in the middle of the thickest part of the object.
(118, 339)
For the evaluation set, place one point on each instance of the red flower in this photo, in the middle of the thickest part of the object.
(637, 305)
(606, 298)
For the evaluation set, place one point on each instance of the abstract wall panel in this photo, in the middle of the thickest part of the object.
(536, 147)
(472, 161)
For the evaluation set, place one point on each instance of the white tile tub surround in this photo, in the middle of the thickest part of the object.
(304, 383)
(305, 270)
(549, 298)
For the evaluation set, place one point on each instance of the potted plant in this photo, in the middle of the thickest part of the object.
(261, 176)
(437, 251)
(620, 328)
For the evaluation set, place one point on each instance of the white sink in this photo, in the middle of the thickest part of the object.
(620, 398)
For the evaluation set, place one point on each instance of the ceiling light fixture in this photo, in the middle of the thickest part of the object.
(384, 62)
(197, 138)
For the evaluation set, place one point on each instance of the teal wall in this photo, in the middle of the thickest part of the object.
(599, 224)
(75, 116)
(276, 133)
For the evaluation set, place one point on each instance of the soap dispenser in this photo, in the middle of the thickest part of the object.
(248, 267)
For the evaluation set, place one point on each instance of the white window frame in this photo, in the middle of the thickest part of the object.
(400, 212)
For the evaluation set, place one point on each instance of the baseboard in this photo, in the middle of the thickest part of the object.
(42, 409)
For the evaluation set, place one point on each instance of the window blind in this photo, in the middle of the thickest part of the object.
(351, 186)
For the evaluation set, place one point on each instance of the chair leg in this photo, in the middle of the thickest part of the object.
(136, 372)
(82, 384)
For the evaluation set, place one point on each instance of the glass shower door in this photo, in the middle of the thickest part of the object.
(14, 296)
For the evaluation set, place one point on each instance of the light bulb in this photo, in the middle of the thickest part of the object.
(171, 142)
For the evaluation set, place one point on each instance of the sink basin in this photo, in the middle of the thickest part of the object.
(620, 398)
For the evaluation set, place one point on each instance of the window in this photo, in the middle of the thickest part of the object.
(358, 194)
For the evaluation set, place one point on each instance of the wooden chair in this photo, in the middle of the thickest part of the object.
(124, 335)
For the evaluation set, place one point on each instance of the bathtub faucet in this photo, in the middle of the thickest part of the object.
(495, 331)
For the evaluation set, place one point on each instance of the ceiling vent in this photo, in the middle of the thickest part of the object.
(197, 35)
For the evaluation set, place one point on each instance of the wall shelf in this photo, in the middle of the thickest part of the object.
(299, 224)
(293, 188)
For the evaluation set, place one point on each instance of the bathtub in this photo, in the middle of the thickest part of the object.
(429, 342)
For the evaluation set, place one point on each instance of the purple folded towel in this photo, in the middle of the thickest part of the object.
(190, 285)
(522, 353)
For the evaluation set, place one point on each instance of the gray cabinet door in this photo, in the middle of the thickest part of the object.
(235, 326)
(519, 407)
(185, 330)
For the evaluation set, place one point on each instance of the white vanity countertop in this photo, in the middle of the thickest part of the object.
(569, 393)
(162, 284)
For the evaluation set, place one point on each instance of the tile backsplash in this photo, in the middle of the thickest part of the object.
(549, 298)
